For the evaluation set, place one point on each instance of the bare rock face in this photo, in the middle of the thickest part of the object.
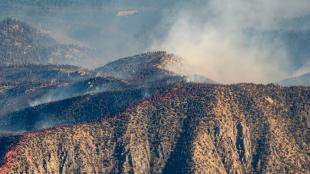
(193, 128)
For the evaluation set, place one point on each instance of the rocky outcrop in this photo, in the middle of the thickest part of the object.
(193, 128)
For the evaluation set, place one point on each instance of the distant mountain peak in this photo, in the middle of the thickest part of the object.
(18, 31)
(148, 67)
(22, 44)
(13, 25)
(144, 68)
(166, 61)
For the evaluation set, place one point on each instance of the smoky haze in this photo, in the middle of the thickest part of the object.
(113, 29)
(227, 41)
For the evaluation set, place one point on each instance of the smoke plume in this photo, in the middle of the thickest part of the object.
(225, 40)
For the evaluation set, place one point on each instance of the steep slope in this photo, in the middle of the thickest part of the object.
(91, 85)
(17, 96)
(75, 110)
(194, 128)
(303, 80)
(21, 85)
(31, 85)
(21, 44)
(148, 69)
(6, 142)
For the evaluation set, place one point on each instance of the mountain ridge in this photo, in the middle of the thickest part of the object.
(22, 44)
(244, 128)
(148, 68)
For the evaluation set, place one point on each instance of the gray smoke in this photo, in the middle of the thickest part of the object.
(224, 40)
(227, 41)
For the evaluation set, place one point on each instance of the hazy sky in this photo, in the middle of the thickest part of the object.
(227, 41)
(241, 40)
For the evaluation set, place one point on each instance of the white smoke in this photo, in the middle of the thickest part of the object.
(223, 41)
(303, 69)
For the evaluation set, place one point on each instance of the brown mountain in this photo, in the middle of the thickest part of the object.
(192, 128)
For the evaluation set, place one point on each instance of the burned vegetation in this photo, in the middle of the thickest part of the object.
(192, 128)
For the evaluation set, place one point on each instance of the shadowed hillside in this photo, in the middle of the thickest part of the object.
(75, 110)
(21, 85)
(193, 128)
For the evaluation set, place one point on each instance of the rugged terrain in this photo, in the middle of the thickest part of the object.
(22, 44)
(192, 128)
(150, 69)
(75, 110)
(65, 109)
(24, 87)
(21, 85)
(140, 114)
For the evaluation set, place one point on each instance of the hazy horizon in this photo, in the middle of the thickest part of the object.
(245, 41)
